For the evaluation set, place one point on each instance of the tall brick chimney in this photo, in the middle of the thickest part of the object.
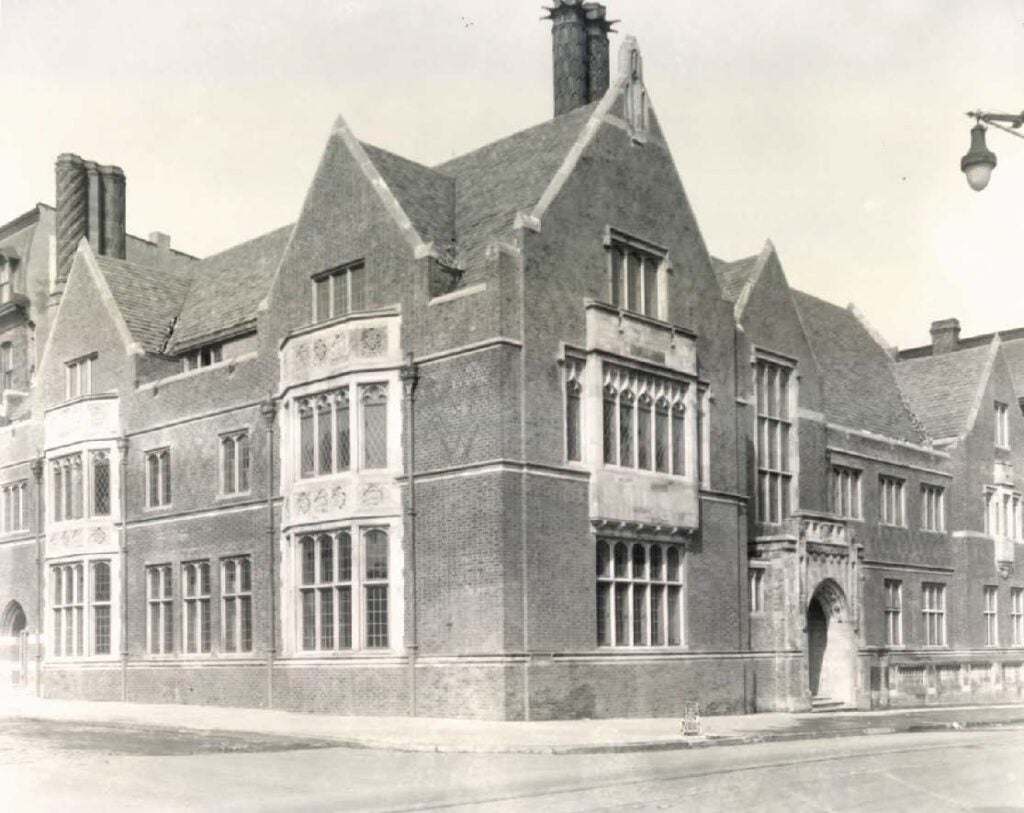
(945, 336)
(91, 204)
(579, 46)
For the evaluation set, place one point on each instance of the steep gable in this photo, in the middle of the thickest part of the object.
(860, 386)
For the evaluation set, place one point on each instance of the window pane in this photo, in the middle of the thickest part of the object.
(228, 463)
(650, 287)
(656, 572)
(674, 573)
(621, 560)
(626, 432)
(242, 451)
(344, 617)
(325, 444)
(245, 612)
(643, 431)
(230, 621)
(165, 477)
(633, 282)
(622, 615)
(322, 295)
(326, 596)
(375, 438)
(306, 442)
(657, 609)
(639, 615)
(308, 560)
(153, 473)
(639, 562)
(675, 637)
(246, 581)
(344, 556)
(603, 608)
(340, 285)
(100, 485)
(101, 581)
(572, 421)
(376, 554)
(661, 454)
(616, 277)
(341, 414)
(377, 616)
(357, 287)
(678, 441)
(326, 572)
(308, 619)
(610, 433)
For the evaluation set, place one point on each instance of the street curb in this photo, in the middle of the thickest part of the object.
(321, 740)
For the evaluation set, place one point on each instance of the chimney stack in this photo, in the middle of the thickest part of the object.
(579, 40)
(90, 204)
(945, 336)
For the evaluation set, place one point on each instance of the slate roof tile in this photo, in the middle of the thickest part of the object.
(734, 276)
(227, 288)
(941, 389)
(860, 385)
(148, 298)
(426, 196)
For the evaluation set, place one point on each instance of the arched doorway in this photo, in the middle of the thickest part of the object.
(831, 645)
(14, 644)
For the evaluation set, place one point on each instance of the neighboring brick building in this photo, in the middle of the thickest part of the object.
(497, 438)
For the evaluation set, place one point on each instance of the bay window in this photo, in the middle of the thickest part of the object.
(329, 427)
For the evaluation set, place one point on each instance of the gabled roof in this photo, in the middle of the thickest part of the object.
(733, 277)
(227, 288)
(495, 182)
(426, 196)
(943, 389)
(860, 386)
(148, 298)
(1013, 352)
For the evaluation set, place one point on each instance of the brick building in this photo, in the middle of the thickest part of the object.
(497, 438)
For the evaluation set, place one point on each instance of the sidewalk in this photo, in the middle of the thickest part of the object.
(548, 737)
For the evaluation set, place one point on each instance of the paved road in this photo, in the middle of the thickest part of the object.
(49, 766)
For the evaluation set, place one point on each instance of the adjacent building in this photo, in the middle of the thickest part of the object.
(497, 438)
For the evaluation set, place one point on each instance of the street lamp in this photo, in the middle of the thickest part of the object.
(979, 161)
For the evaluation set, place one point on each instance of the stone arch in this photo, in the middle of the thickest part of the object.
(831, 644)
(13, 621)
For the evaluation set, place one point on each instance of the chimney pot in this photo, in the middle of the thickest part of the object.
(161, 240)
(945, 336)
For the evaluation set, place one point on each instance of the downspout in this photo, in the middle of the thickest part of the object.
(122, 448)
(410, 376)
(268, 409)
(742, 469)
(37, 474)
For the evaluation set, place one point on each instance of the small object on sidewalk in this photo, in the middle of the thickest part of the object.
(691, 719)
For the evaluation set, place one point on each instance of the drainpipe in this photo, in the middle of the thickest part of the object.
(37, 475)
(268, 409)
(742, 422)
(410, 376)
(122, 489)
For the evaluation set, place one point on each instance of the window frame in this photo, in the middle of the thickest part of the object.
(355, 583)
(79, 376)
(933, 508)
(893, 612)
(234, 439)
(164, 481)
(160, 606)
(235, 593)
(1017, 615)
(572, 410)
(846, 491)
(202, 357)
(13, 507)
(775, 429)
(613, 584)
(83, 608)
(898, 485)
(350, 397)
(990, 613)
(652, 270)
(6, 366)
(196, 608)
(355, 270)
(1002, 425)
(933, 614)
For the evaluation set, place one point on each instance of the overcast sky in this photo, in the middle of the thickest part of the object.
(833, 128)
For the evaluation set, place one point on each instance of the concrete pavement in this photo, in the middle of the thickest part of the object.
(483, 736)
